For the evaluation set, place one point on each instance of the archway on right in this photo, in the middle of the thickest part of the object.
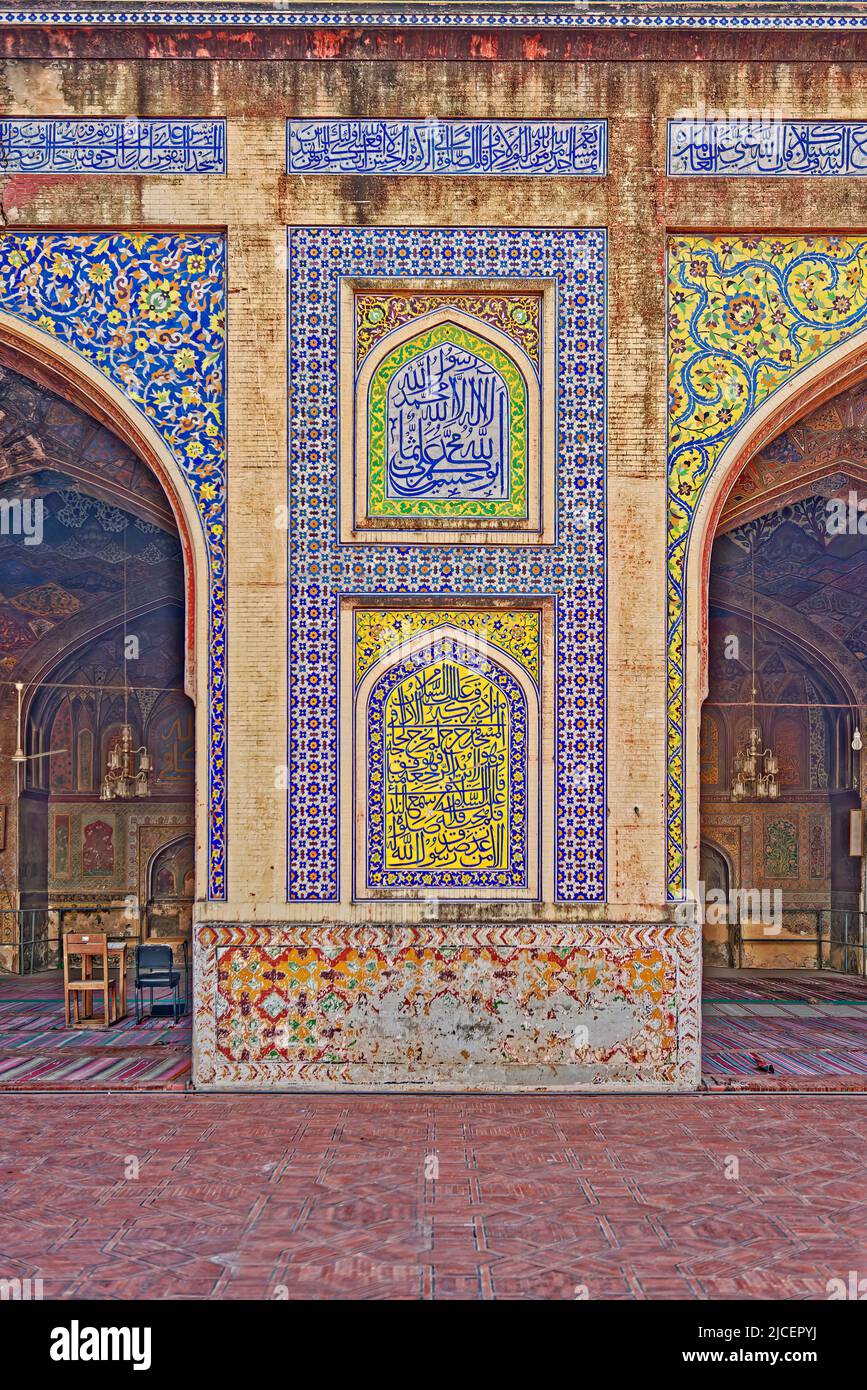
(782, 795)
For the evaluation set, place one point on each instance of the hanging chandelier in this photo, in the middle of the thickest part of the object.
(127, 775)
(755, 769)
(754, 775)
(128, 772)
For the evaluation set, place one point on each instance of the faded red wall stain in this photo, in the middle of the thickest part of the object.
(21, 189)
(534, 47)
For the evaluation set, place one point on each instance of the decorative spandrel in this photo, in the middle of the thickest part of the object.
(447, 773)
(448, 429)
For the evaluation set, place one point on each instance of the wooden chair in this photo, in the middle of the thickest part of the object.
(90, 946)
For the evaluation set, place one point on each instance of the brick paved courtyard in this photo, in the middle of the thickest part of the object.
(338, 1196)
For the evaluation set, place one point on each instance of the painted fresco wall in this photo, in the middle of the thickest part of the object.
(438, 841)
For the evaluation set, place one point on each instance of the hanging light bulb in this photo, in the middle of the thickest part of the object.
(857, 743)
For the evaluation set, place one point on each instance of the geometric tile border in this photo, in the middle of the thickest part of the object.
(321, 571)
(497, 17)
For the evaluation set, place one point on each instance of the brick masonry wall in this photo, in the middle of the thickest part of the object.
(637, 82)
(636, 202)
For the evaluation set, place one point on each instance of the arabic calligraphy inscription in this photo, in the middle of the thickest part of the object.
(448, 429)
(772, 148)
(446, 147)
(447, 772)
(113, 146)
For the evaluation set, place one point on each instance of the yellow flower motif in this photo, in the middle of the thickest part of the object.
(159, 300)
(185, 360)
(98, 274)
(45, 322)
(142, 344)
(17, 259)
(61, 265)
(114, 316)
(194, 450)
(196, 265)
(211, 430)
(207, 490)
(189, 395)
(162, 398)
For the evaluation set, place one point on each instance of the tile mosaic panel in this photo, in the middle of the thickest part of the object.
(573, 1007)
(148, 310)
(745, 314)
(449, 416)
(131, 145)
(378, 631)
(517, 316)
(321, 570)
(447, 431)
(435, 146)
(447, 772)
(758, 149)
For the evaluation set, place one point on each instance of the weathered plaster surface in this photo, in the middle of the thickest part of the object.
(464, 1006)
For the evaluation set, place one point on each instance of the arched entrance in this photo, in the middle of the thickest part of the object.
(97, 628)
(778, 750)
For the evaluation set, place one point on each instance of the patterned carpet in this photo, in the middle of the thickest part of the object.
(789, 1025)
(761, 1030)
(38, 1051)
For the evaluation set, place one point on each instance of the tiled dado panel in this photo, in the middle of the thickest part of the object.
(380, 511)
(563, 1007)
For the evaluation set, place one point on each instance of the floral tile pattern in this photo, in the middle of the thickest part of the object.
(744, 315)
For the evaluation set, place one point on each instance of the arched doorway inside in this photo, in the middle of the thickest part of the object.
(92, 651)
(781, 796)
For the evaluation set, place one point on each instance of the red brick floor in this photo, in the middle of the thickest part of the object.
(327, 1196)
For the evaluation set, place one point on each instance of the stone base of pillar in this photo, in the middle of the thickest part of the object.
(581, 1007)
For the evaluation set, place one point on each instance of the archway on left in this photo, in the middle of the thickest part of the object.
(97, 754)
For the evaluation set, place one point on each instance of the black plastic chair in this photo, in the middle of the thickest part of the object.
(155, 969)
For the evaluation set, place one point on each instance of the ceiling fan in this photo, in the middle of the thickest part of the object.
(19, 756)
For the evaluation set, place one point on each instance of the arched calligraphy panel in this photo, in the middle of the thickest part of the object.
(447, 429)
(447, 773)
(447, 410)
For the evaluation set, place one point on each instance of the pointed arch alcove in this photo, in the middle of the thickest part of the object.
(449, 788)
(163, 394)
(837, 370)
(762, 327)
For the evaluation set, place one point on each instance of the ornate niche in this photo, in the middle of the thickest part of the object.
(449, 790)
(447, 410)
(171, 889)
